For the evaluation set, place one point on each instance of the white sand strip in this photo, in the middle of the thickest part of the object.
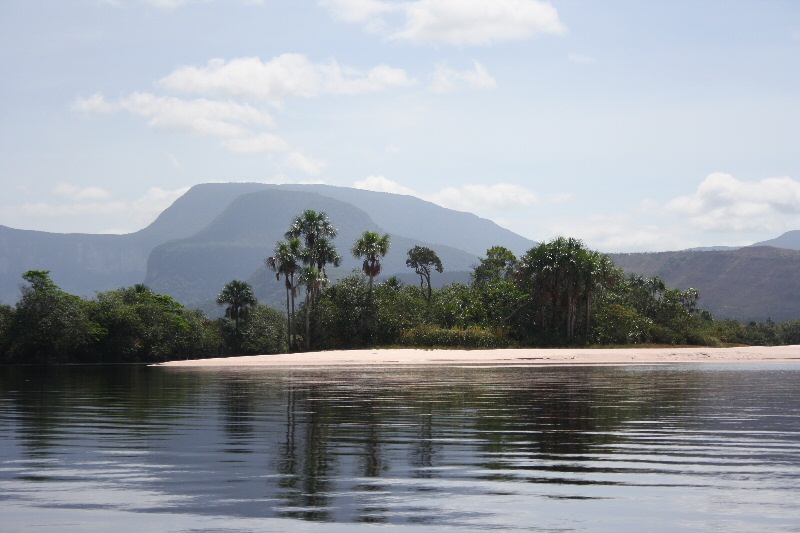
(506, 357)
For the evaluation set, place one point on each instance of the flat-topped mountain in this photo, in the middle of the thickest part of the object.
(235, 244)
(217, 232)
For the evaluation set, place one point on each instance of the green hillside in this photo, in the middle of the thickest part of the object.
(753, 283)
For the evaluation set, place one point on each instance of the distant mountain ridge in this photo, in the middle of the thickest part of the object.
(236, 243)
(221, 231)
(790, 240)
(751, 283)
(217, 231)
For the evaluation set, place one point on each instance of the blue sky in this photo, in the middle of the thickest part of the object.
(632, 125)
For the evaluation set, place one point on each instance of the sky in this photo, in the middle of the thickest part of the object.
(633, 125)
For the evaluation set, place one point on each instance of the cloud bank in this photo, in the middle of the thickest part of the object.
(452, 22)
(283, 77)
(723, 203)
(473, 198)
(71, 202)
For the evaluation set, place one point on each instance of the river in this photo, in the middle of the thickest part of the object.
(618, 448)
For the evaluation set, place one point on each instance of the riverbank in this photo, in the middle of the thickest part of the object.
(506, 357)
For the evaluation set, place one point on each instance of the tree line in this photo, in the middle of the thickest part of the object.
(559, 293)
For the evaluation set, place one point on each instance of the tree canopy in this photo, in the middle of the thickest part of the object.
(558, 293)
(372, 247)
(424, 260)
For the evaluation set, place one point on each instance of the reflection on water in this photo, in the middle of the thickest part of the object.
(604, 449)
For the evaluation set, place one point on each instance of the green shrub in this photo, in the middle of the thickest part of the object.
(617, 324)
(429, 336)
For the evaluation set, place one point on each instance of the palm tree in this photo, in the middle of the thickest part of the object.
(314, 228)
(239, 297)
(314, 279)
(563, 274)
(372, 247)
(317, 233)
(324, 253)
(286, 263)
(596, 272)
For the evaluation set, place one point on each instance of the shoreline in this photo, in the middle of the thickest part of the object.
(501, 357)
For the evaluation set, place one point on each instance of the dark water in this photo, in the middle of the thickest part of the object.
(677, 448)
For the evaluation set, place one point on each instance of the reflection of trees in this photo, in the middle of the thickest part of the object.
(334, 428)
(238, 407)
(368, 418)
(422, 450)
(570, 412)
(56, 403)
(304, 465)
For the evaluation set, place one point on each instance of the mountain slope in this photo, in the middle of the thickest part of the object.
(235, 244)
(789, 240)
(407, 215)
(753, 283)
(80, 263)
(84, 264)
(218, 232)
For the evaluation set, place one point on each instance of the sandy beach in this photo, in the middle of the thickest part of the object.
(506, 357)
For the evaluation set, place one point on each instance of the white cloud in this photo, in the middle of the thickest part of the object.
(456, 22)
(51, 210)
(241, 124)
(445, 80)
(96, 103)
(622, 232)
(154, 202)
(285, 76)
(264, 143)
(360, 11)
(724, 203)
(369, 13)
(340, 80)
(473, 198)
(308, 165)
(169, 5)
(477, 198)
(383, 184)
(200, 116)
(90, 194)
(76, 204)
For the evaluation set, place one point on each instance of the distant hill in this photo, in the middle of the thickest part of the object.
(752, 283)
(85, 264)
(410, 216)
(236, 243)
(789, 240)
(216, 232)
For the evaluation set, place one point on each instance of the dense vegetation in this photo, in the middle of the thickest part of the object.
(558, 293)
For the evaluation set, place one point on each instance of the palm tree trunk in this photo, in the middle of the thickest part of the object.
(288, 319)
(309, 298)
(292, 328)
